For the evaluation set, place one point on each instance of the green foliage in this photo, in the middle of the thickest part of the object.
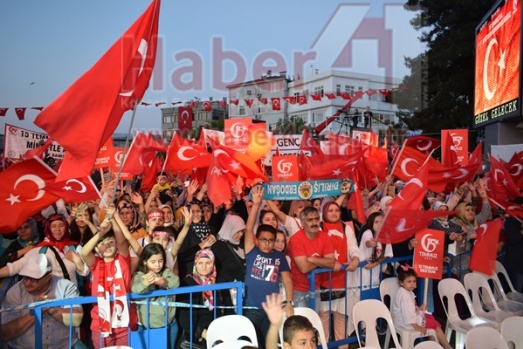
(292, 125)
(440, 89)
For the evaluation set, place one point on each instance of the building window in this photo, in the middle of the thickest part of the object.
(167, 119)
(338, 90)
(318, 90)
(349, 89)
(241, 110)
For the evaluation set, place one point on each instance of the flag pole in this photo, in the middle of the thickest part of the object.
(396, 158)
(125, 149)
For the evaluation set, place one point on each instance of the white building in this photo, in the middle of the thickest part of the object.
(314, 112)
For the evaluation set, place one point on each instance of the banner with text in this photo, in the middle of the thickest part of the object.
(302, 190)
(286, 145)
(428, 254)
(17, 141)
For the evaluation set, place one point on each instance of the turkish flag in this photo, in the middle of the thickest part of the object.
(330, 95)
(222, 103)
(485, 249)
(342, 145)
(234, 101)
(345, 95)
(499, 182)
(20, 112)
(316, 97)
(146, 104)
(454, 147)
(497, 59)
(276, 104)
(515, 168)
(302, 100)
(333, 166)
(412, 194)
(371, 92)
(3, 111)
(511, 208)
(40, 151)
(38, 108)
(263, 100)
(142, 151)
(75, 190)
(23, 192)
(150, 175)
(207, 106)
(423, 144)
(355, 201)
(185, 117)
(234, 162)
(219, 187)
(394, 150)
(402, 225)
(290, 99)
(88, 112)
(307, 143)
(448, 154)
(249, 102)
(357, 94)
(376, 162)
(384, 92)
(159, 104)
(183, 154)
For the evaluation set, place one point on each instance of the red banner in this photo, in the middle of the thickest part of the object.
(237, 133)
(184, 119)
(455, 141)
(285, 168)
(428, 254)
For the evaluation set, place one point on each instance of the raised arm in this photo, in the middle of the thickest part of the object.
(187, 219)
(88, 248)
(119, 225)
(279, 214)
(257, 195)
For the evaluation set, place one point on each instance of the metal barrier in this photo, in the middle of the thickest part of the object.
(146, 340)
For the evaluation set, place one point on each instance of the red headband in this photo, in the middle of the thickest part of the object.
(153, 214)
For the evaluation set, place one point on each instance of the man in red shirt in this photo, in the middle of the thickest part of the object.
(309, 248)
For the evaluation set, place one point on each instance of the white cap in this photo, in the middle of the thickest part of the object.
(37, 266)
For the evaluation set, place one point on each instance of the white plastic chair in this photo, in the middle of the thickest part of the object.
(513, 295)
(485, 337)
(369, 311)
(500, 297)
(512, 331)
(230, 328)
(315, 320)
(479, 291)
(428, 345)
(239, 344)
(388, 289)
(448, 289)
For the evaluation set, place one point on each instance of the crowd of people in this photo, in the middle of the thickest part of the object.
(174, 237)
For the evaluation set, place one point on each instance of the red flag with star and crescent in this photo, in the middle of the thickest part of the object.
(23, 192)
(20, 113)
(142, 151)
(500, 185)
(219, 186)
(515, 168)
(423, 144)
(497, 59)
(484, 252)
(276, 103)
(183, 154)
(75, 189)
(185, 117)
(88, 112)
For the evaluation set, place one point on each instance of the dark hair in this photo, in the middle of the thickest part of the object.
(148, 251)
(370, 221)
(76, 234)
(404, 271)
(109, 234)
(266, 228)
(169, 230)
(307, 211)
(294, 324)
(279, 231)
(263, 213)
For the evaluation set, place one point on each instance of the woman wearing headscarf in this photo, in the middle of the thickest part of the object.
(199, 237)
(26, 239)
(453, 232)
(131, 218)
(58, 246)
(344, 281)
(203, 273)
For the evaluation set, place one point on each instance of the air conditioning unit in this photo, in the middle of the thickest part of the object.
(258, 95)
(257, 117)
(248, 92)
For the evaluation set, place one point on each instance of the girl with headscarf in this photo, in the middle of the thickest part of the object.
(230, 256)
(58, 247)
(199, 237)
(451, 229)
(344, 281)
(27, 238)
(203, 273)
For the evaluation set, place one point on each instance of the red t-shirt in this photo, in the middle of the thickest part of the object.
(300, 245)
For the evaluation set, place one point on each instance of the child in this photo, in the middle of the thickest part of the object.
(406, 313)
(111, 275)
(152, 275)
(298, 332)
(371, 251)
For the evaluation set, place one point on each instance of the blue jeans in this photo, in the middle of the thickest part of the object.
(261, 323)
(172, 333)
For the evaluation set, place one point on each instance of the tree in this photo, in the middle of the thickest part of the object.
(440, 89)
(292, 125)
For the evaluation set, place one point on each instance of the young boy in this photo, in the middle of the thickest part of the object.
(264, 268)
(111, 275)
(298, 332)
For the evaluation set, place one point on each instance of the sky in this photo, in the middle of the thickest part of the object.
(47, 45)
